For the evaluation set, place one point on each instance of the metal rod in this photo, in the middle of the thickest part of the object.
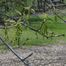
(23, 60)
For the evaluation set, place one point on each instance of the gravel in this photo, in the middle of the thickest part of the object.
(51, 55)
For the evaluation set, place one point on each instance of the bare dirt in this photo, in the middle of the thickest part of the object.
(51, 55)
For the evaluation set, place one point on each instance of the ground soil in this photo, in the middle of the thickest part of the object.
(51, 55)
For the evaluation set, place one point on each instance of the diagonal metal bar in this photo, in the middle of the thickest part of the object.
(26, 62)
(27, 56)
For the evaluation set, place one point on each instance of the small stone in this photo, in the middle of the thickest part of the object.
(64, 64)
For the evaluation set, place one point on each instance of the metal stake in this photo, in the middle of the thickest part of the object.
(26, 62)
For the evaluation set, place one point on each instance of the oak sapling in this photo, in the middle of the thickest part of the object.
(18, 32)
